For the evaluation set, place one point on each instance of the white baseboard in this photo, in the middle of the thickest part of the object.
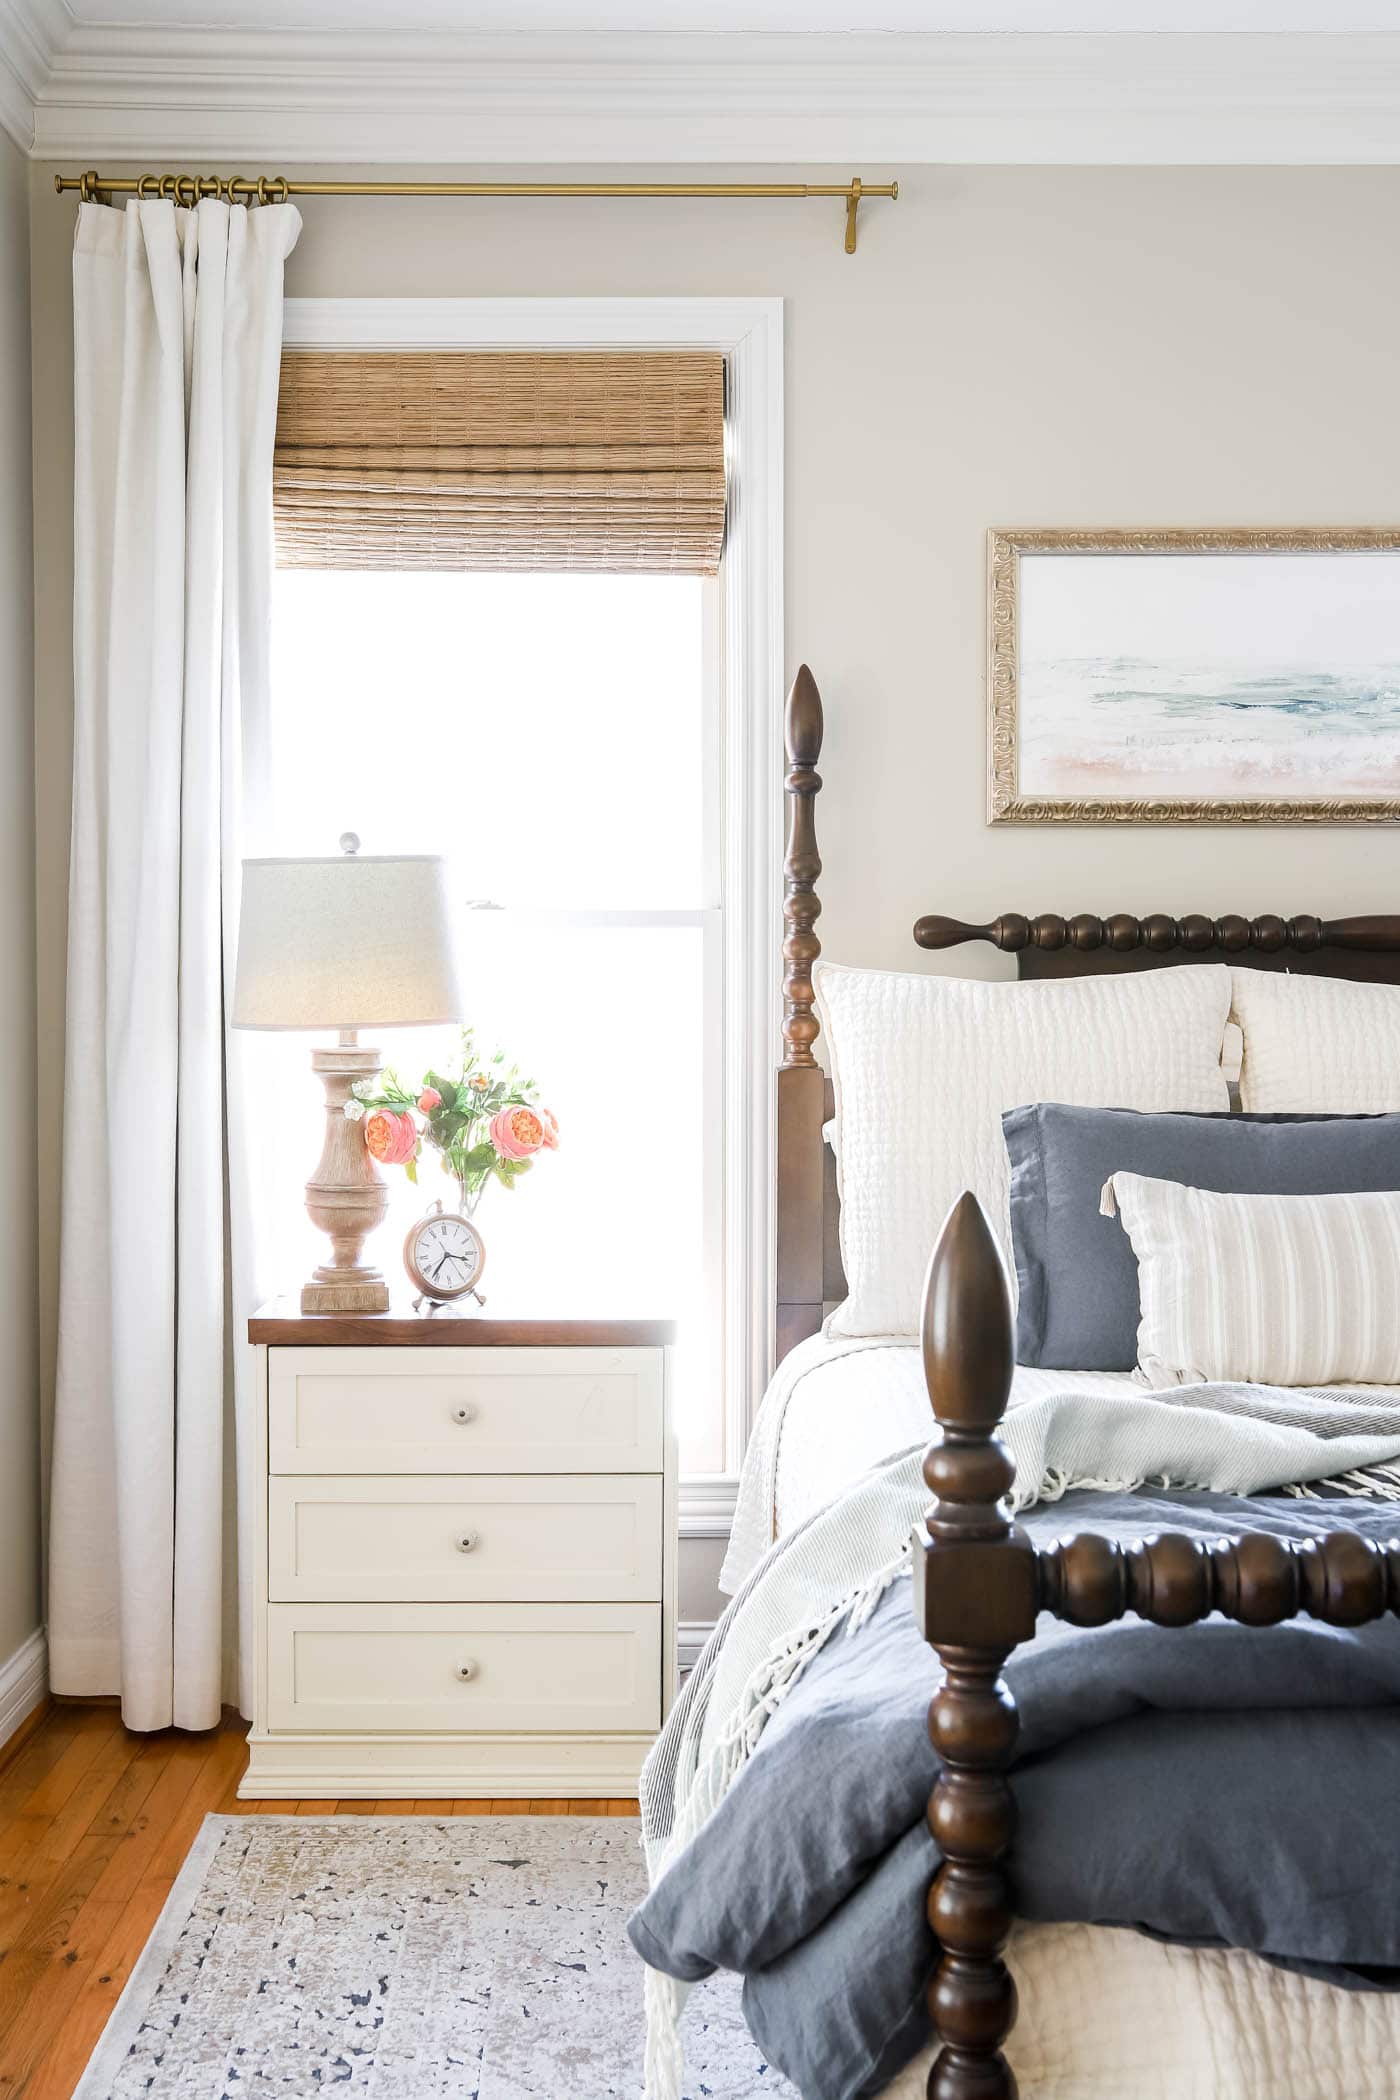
(691, 1636)
(707, 1506)
(24, 1683)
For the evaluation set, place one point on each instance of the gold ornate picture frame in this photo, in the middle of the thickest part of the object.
(1194, 677)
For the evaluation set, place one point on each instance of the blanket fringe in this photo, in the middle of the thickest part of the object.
(1380, 1483)
(664, 2064)
(770, 1684)
(1055, 1484)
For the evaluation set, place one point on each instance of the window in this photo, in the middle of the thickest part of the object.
(596, 752)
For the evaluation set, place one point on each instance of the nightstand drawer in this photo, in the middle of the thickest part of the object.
(511, 1538)
(391, 1410)
(464, 1668)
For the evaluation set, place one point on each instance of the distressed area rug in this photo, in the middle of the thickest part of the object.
(406, 1958)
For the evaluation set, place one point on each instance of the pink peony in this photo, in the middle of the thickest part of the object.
(391, 1136)
(429, 1099)
(550, 1124)
(516, 1133)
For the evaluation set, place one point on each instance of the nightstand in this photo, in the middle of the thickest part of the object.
(466, 1555)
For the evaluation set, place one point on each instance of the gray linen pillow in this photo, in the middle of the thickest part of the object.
(1078, 1306)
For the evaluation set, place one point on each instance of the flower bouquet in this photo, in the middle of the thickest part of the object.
(484, 1122)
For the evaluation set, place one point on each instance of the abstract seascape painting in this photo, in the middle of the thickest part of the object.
(1195, 676)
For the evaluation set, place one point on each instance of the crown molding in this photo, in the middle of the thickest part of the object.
(146, 97)
(32, 32)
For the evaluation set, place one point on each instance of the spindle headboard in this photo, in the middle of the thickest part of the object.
(809, 1275)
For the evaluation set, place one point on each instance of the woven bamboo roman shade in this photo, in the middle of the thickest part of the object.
(500, 459)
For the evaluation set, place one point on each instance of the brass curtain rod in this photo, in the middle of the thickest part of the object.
(276, 189)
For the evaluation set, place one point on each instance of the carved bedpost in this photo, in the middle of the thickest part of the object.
(801, 1082)
(801, 867)
(975, 1594)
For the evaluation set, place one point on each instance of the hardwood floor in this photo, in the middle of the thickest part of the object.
(94, 1825)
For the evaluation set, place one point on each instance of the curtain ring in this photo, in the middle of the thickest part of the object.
(87, 188)
(167, 188)
(143, 191)
(262, 189)
(186, 191)
(279, 189)
(208, 185)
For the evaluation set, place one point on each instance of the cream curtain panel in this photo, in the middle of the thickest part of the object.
(505, 459)
(178, 326)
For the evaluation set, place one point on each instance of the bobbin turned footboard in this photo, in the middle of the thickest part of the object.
(979, 1582)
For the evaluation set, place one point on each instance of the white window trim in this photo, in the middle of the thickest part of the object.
(749, 332)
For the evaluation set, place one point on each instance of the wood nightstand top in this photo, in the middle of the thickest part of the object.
(282, 1324)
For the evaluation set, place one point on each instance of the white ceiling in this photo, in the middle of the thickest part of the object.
(637, 16)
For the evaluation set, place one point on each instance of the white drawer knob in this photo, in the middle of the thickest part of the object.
(466, 1671)
(466, 1540)
(464, 1412)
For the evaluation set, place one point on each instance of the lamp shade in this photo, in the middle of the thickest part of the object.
(349, 941)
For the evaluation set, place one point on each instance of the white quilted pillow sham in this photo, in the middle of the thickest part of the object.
(1317, 1043)
(1268, 1290)
(923, 1067)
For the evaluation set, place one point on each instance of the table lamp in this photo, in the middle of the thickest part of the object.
(348, 942)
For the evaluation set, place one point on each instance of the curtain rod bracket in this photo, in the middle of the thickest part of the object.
(852, 207)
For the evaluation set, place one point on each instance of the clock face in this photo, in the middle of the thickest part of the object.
(444, 1255)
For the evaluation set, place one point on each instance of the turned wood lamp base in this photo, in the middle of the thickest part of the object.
(358, 1290)
(346, 1197)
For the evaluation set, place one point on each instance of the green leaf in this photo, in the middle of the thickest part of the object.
(410, 1167)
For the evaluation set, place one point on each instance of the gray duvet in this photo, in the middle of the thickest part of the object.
(1217, 1786)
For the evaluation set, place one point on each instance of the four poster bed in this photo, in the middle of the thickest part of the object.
(784, 1781)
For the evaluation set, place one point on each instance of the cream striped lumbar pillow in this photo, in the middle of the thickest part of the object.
(1272, 1290)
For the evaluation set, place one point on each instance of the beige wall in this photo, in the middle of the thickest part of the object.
(19, 1387)
(1010, 346)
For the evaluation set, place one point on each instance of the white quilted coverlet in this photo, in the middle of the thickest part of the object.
(853, 1411)
(833, 1410)
(923, 1067)
(1108, 2015)
(1317, 1044)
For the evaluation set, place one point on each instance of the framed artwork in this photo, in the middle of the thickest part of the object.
(1195, 677)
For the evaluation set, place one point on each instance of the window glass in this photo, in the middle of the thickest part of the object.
(549, 734)
(546, 731)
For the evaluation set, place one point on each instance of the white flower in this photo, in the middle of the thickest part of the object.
(353, 1111)
(360, 1087)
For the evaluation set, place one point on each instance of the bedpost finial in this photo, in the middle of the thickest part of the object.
(803, 724)
(968, 1345)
